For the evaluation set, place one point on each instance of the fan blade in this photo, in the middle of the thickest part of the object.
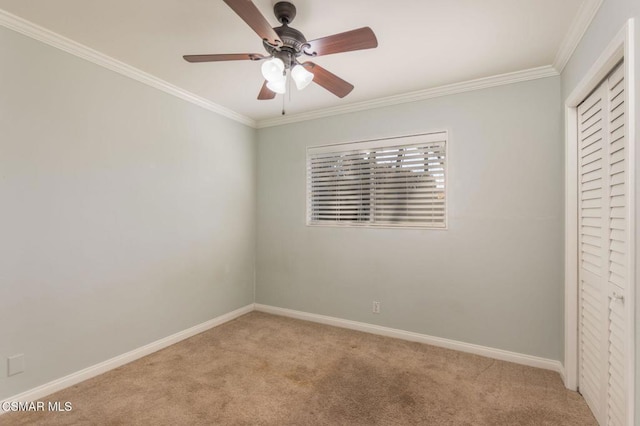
(225, 57)
(362, 38)
(266, 93)
(250, 14)
(328, 80)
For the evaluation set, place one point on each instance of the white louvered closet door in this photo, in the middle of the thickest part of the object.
(603, 250)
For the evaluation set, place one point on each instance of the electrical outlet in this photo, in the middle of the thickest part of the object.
(15, 365)
(376, 307)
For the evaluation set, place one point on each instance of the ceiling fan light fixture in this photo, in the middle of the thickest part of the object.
(301, 76)
(284, 44)
(273, 69)
(278, 86)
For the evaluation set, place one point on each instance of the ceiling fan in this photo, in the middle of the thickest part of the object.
(285, 45)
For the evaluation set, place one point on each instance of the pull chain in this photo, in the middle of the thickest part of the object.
(288, 89)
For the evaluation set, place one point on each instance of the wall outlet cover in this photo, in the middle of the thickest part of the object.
(15, 365)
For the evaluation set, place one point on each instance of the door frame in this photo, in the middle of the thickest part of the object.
(621, 47)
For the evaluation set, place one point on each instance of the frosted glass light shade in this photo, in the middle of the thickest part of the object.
(272, 69)
(278, 86)
(301, 76)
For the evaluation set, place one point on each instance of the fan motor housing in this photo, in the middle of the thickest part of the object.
(293, 42)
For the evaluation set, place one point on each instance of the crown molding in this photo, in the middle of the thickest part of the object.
(450, 89)
(578, 28)
(58, 41)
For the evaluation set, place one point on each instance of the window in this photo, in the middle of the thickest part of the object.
(397, 182)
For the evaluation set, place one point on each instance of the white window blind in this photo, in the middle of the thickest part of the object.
(398, 182)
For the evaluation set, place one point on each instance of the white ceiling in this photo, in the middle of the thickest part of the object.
(422, 43)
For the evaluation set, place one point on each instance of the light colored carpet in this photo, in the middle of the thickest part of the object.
(262, 369)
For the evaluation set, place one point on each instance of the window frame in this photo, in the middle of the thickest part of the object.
(394, 141)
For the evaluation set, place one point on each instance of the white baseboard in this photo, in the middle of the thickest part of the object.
(563, 376)
(95, 370)
(103, 367)
(529, 360)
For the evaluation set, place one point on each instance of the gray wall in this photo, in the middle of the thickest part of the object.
(608, 22)
(494, 278)
(127, 214)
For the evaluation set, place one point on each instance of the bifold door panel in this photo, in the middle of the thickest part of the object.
(603, 249)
